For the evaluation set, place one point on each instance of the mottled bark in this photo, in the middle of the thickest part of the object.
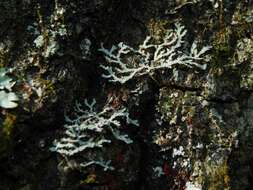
(195, 126)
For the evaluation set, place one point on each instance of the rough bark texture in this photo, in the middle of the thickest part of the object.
(196, 130)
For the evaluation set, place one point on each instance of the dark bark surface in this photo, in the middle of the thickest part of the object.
(195, 130)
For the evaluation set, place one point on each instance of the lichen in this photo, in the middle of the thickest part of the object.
(47, 40)
(151, 57)
(244, 57)
(196, 131)
(89, 131)
(8, 99)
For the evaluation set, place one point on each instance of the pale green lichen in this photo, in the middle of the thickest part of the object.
(8, 98)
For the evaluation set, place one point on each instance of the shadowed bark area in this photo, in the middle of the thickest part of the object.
(195, 127)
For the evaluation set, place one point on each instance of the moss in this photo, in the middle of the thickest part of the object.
(43, 29)
(222, 50)
(243, 30)
(6, 130)
(4, 56)
(8, 124)
(224, 43)
(158, 28)
(218, 177)
(90, 179)
(175, 104)
(47, 40)
(48, 87)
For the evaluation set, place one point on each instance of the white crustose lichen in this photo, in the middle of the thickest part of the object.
(88, 131)
(151, 57)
